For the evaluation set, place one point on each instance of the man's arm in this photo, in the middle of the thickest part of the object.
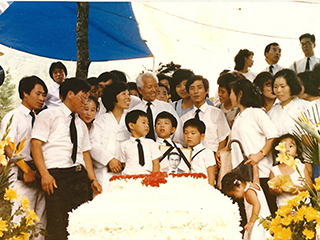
(96, 187)
(48, 183)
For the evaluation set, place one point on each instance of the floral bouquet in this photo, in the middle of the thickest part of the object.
(27, 228)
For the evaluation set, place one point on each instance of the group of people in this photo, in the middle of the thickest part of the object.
(85, 131)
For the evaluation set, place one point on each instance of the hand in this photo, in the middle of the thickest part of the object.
(115, 165)
(253, 159)
(248, 226)
(296, 191)
(48, 183)
(96, 188)
(30, 176)
(277, 190)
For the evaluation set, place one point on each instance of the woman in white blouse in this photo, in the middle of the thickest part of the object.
(109, 131)
(254, 129)
(286, 87)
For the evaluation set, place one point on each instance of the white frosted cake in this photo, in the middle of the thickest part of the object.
(183, 206)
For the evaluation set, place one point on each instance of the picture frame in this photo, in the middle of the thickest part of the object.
(177, 163)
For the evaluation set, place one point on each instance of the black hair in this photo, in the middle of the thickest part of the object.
(133, 86)
(311, 87)
(93, 81)
(110, 92)
(267, 48)
(260, 80)
(232, 180)
(177, 77)
(58, 65)
(291, 78)
(121, 75)
(196, 123)
(167, 115)
(251, 95)
(26, 85)
(239, 58)
(282, 137)
(225, 79)
(105, 76)
(315, 73)
(75, 85)
(92, 98)
(194, 78)
(133, 116)
(174, 153)
(308, 35)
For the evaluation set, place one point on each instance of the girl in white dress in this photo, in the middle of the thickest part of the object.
(236, 185)
(286, 86)
(109, 131)
(294, 150)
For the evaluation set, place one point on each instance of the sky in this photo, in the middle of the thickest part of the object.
(203, 36)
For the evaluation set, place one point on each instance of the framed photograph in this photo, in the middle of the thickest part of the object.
(174, 162)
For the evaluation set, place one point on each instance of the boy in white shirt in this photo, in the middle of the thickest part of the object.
(140, 155)
(203, 159)
(166, 125)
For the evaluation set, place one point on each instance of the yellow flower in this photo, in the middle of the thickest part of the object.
(3, 160)
(31, 217)
(317, 185)
(3, 227)
(10, 195)
(25, 203)
(281, 147)
(309, 234)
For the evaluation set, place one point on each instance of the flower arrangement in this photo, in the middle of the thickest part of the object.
(299, 218)
(27, 228)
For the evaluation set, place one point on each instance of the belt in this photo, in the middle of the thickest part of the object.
(77, 168)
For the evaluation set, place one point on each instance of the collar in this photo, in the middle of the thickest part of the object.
(133, 139)
(24, 109)
(66, 111)
(161, 140)
(203, 108)
(154, 103)
(56, 85)
(197, 148)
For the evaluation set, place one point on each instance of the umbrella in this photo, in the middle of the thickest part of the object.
(48, 29)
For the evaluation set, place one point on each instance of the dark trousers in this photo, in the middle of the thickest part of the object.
(271, 199)
(73, 190)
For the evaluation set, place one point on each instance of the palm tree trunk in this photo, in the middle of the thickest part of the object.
(83, 61)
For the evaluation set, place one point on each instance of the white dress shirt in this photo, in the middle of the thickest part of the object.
(217, 128)
(252, 128)
(249, 75)
(53, 99)
(276, 68)
(282, 116)
(19, 128)
(202, 159)
(52, 128)
(301, 64)
(130, 156)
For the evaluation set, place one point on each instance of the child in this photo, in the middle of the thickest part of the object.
(203, 159)
(140, 155)
(166, 125)
(294, 150)
(237, 186)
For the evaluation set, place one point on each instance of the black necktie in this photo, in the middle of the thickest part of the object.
(271, 69)
(167, 143)
(308, 64)
(197, 114)
(33, 118)
(150, 118)
(73, 136)
(140, 152)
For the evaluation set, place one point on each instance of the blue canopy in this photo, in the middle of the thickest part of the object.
(48, 29)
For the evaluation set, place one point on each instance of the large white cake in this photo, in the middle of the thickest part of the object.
(184, 207)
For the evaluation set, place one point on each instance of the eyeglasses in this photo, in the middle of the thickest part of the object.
(305, 44)
(84, 100)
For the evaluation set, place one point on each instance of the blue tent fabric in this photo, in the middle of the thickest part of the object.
(48, 29)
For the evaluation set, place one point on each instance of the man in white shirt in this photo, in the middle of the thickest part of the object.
(58, 73)
(60, 148)
(308, 43)
(32, 91)
(272, 53)
(147, 84)
(217, 128)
